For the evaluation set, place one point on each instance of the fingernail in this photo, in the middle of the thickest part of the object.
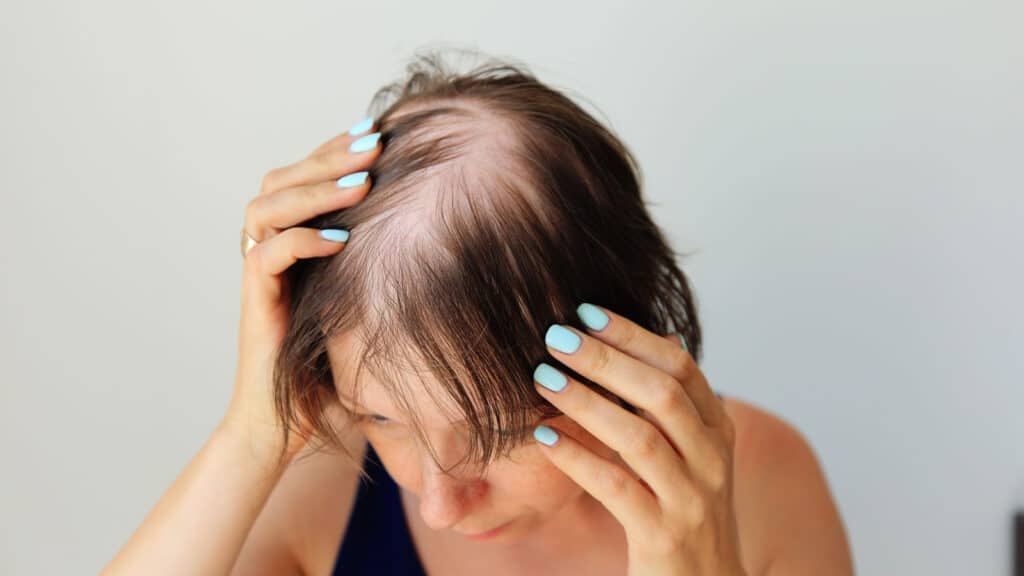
(562, 339)
(353, 179)
(545, 435)
(549, 377)
(365, 143)
(361, 126)
(592, 316)
(334, 234)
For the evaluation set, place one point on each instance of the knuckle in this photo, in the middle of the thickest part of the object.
(669, 397)
(716, 474)
(728, 428)
(253, 214)
(628, 335)
(324, 193)
(683, 365)
(614, 481)
(585, 399)
(320, 163)
(268, 184)
(645, 440)
(697, 512)
(324, 190)
(601, 359)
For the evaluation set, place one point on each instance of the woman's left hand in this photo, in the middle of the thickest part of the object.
(676, 502)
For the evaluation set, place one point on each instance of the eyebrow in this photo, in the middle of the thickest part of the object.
(349, 406)
(376, 413)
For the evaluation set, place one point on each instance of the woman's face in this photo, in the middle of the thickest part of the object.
(523, 488)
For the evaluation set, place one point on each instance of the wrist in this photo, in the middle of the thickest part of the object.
(262, 445)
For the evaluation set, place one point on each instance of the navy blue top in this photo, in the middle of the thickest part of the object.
(377, 540)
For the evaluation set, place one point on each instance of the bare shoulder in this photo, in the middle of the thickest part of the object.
(786, 515)
(326, 484)
(307, 512)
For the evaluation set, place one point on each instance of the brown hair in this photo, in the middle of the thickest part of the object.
(497, 206)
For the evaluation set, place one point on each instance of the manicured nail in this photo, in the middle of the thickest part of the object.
(562, 339)
(549, 377)
(546, 435)
(592, 316)
(365, 143)
(353, 179)
(361, 126)
(334, 235)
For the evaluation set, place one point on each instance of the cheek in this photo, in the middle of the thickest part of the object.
(531, 481)
(525, 479)
(538, 483)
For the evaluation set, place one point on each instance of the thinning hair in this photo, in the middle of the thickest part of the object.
(497, 206)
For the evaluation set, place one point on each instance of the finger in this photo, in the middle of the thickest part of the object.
(361, 128)
(640, 384)
(677, 340)
(632, 505)
(349, 154)
(267, 214)
(637, 440)
(667, 355)
(275, 255)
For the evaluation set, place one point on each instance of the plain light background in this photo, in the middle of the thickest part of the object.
(850, 174)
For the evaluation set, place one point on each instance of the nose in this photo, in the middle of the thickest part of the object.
(446, 498)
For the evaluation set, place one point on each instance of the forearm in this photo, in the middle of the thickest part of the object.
(200, 523)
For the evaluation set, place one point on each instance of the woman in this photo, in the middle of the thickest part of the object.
(498, 338)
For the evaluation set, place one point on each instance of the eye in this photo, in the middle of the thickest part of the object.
(375, 419)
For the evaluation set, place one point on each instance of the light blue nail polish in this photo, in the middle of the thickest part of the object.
(592, 316)
(353, 179)
(361, 126)
(549, 377)
(546, 435)
(562, 339)
(334, 234)
(365, 143)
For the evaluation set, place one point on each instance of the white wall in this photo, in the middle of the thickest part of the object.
(850, 172)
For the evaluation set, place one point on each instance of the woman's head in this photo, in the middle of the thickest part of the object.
(497, 206)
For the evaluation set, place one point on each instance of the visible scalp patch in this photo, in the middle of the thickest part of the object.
(496, 206)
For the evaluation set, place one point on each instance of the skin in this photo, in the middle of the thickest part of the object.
(673, 515)
(774, 467)
(676, 502)
(237, 470)
(226, 484)
(525, 488)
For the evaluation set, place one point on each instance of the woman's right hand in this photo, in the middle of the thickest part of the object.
(288, 195)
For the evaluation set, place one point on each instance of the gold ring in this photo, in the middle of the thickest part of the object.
(247, 242)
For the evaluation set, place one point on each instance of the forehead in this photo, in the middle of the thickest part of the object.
(369, 394)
